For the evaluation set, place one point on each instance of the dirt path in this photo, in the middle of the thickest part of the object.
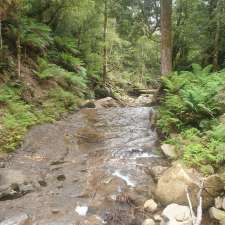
(83, 170)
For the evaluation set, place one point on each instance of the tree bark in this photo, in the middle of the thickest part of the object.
(166, 36)
(1, 41)
(18, 47)
(104, 75)
(217, 37)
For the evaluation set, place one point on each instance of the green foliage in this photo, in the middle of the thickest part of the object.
(190, 109)
(32, 34)
(190, 99)
(66, 44)
(48, 71)
(17, 116)
(198, 154)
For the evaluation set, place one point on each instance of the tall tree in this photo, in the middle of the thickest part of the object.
(166, 36)
(104, 37)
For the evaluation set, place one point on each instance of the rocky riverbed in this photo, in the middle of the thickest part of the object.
(99, 166)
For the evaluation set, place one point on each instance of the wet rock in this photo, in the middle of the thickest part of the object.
(175, 214)
(213, 187)
(223, 204)
(157, 218)
(2, 165)
(218, 202)
(169, 151)
(55, 211)
(42, 183)
(172, 185)
(106, 103)
(14, 184)
(150, 205)
(88, 104)
(157, 171)
(61, 177)
(138, 198)
(149, 222)
(217, 214)
(145, 99)
(21, 219)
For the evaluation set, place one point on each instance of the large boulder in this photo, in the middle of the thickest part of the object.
(176, 215)
(172, 186)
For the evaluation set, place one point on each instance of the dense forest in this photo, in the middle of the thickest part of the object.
(159, 140)
(55, 53)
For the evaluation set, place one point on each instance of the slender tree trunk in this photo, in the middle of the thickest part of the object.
(166, 36)
(104, 37)
(217, 38)
(1, 41)
(18, 47)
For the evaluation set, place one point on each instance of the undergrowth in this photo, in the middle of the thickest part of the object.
(190, 112)
(17, 115)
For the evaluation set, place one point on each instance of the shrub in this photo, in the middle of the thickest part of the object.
(191, 104)
(190, 99)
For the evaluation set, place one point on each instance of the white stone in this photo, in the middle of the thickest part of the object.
(175, 214)
(218, 202)
(148, 222)
(150, 205)
(157, 218)
(82, 210)
(169, 151)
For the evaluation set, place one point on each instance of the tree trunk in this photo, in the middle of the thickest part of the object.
(104, 75)
(166, 36)
(18, 47)
(1, 41)
(217, 38)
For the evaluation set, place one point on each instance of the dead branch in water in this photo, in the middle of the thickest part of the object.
(196, 218)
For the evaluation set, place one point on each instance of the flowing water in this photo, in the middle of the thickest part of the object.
(91, 168)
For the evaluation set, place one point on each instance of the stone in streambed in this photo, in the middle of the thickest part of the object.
(14, 184)
(21, 219)
(175, 214)
(217, 214)
(169, 151)
(218, 202)
(148, 222)
(150, 205)
(172, 185)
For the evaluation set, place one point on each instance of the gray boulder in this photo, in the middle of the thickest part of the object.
(172, 185)
(176, 215)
